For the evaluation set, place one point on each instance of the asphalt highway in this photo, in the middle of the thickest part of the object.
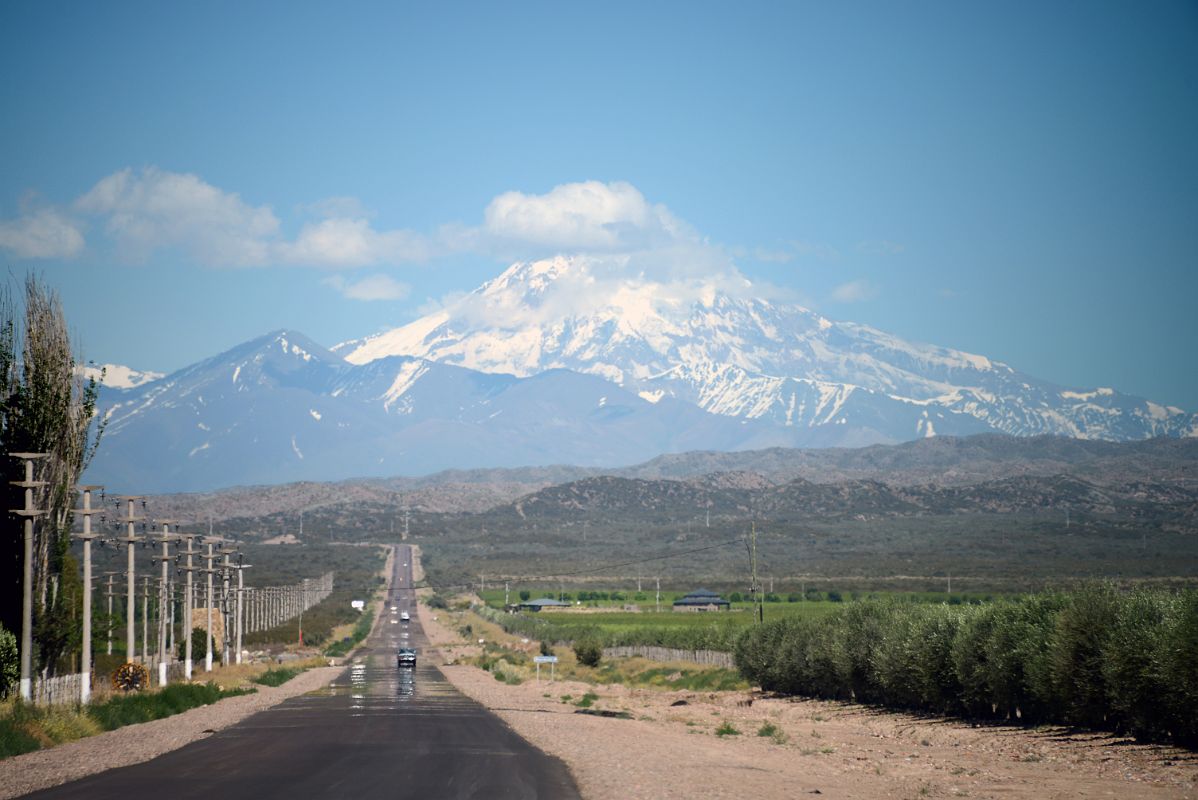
(378, 731)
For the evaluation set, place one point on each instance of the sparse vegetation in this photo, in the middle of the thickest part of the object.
(360, 631)
(772, 731)
(277, 677)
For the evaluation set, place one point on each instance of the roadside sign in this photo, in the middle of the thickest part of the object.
(550, 660)
(358, 604)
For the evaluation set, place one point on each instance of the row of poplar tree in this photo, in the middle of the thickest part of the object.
(46, 406)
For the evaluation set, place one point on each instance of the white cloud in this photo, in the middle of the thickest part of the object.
(142, 212)
(45, 233)
(590, 216)
(854, 291)
(372, 287)
(342, 242)
(153, 209)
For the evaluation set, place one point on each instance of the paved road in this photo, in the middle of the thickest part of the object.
(377, 732)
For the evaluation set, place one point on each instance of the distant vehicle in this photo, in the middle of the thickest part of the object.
(403, 615)
(406, 657)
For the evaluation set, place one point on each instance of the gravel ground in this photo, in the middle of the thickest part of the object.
(668, 749)
(133, 744)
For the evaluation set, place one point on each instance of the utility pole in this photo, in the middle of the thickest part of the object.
(239, 624)
(506, 593)
(225, 575)
(754, 589)
(658, 608)
(85, 661)
(188, 608)
(164, 599)
(301, 613)
(208, 626)
(111, 575)
(130, 520)
(28, 512)
(145, 618)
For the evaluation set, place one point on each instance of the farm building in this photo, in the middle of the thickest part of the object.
(701, 600)
(542, 603)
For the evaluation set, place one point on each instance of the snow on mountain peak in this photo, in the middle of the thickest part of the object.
(117, 376)
(709, 340)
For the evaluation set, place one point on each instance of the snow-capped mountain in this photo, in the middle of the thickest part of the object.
(563, 362)
(282, 408)
(737, 355)
(118, 376)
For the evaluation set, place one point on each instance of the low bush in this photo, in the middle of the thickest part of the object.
(10, 661)
(277, 677)
(357, 635)
(144, 707)
(589, 652)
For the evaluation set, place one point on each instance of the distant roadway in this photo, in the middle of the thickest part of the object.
(377, 732)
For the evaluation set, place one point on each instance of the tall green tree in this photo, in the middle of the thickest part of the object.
(46, 406)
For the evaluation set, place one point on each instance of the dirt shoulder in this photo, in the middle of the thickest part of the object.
(669, 748)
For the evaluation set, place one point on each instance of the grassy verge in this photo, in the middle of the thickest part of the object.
(360, 632)
(277, 677)
(25, 728)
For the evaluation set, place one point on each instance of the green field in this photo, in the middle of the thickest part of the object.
(609, 623)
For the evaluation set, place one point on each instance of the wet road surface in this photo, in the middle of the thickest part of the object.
(377, 731)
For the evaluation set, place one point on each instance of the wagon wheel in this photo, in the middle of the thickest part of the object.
(130, 677)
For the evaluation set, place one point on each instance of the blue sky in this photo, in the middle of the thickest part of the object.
(1014, 179)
